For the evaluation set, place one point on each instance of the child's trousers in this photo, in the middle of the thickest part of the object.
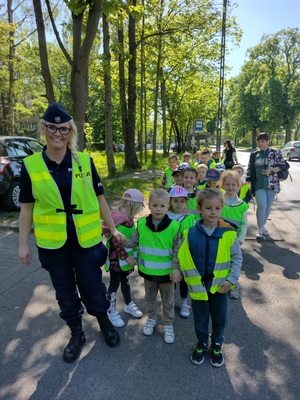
(167, 297)
(216, 308)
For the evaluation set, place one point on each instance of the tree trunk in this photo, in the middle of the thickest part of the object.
(10, 120)
(108, 100)
(254, 138)
(158, 78)
(43, 51)
(131, 160)
(128, 113)
(163, 111)
(85, 29)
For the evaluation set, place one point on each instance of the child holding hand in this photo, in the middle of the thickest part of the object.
(121, 262)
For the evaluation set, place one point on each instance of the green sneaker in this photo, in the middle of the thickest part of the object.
(198, 354)
(216, 356)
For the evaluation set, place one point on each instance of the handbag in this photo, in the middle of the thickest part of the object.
(229, 164)
(284, 172)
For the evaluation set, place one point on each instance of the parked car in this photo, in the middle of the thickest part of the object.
(291, 150)
(13, 149)
(121, 147)
(115, 148)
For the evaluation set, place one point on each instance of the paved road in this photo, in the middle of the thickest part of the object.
(261, 348)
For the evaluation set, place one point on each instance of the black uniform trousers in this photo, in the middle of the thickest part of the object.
(75, 269)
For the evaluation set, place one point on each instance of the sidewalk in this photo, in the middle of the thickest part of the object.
(261, 347)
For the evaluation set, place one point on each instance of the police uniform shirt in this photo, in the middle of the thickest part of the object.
(62, 175)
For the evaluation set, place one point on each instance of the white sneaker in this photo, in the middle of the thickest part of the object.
(259, 233)
(169, 334)
(265, 232)
(184, 310)
(149, 327)
(115, 319)
(133, 309)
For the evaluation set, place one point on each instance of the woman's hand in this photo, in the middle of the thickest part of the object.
(25, 254)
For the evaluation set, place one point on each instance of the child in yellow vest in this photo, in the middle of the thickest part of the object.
(234, 211)
(189, 183)
(177, 212)
(167, 179)
(157, 239)
(201, 182)
(210, 259)
(244, 192)
(121, 262)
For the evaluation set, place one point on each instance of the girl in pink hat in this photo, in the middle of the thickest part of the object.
(121, 262)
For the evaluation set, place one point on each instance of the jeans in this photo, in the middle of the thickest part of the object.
(264, 200)
(216, 308)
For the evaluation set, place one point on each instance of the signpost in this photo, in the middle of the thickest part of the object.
(198, 125)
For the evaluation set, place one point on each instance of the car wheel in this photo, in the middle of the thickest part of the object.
(11, 200)
(288, 157)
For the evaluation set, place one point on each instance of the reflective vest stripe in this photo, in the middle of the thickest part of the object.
(221, 269)
(50, 225)
(155, 248)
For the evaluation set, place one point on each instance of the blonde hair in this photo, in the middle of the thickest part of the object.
(238, 166)
(72, 143)
(130, 208)
(202, 166)
(159, 193)
(230, 174)
(172, 156)
(208, 194)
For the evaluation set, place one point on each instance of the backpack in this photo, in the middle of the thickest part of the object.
(284, 173)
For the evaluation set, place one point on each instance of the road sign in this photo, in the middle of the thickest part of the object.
(198, 125)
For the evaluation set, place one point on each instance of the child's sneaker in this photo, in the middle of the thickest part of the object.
(169, 334)
(234, 293)
(216, 356)
(115, 319)
(184, 310)
(133, 309)
(198, 354)
(149, 327)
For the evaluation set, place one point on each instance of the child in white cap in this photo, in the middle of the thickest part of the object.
(178, 212)
(121, 262)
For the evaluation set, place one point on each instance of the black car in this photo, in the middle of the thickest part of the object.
(13, 149)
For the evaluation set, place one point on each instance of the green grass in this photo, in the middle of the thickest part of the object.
(101, 163)
(115, 187)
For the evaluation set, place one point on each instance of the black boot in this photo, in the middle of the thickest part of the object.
(73, 348)
(111, 336)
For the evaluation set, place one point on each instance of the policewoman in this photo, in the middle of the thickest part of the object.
(62, 195)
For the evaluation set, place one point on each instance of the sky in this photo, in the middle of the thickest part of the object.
(258, 17)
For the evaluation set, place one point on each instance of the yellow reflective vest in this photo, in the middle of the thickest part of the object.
(155, 252)
(50, 226)
(197, 289)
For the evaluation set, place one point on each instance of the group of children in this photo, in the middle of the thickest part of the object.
(192, 239)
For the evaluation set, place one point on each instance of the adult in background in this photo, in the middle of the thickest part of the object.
(229, 157)
(62, 195)
(262, 172)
